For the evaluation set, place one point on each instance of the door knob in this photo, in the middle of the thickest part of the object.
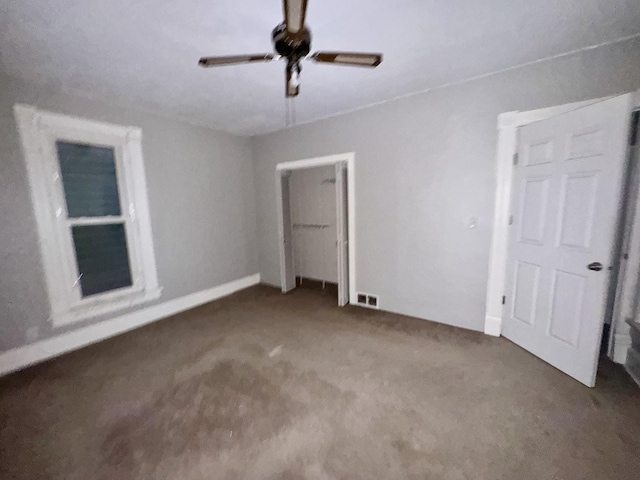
(595, 266)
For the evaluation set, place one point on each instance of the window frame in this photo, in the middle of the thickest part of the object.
(39, 131)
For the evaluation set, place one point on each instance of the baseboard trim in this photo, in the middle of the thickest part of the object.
(633, 375)
(492, 326)
(21, 357)
(621, 344)
(632, 365)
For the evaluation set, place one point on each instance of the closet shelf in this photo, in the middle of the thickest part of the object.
(310, 225)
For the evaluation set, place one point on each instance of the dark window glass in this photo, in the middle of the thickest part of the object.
(103, 260)
(89, 179)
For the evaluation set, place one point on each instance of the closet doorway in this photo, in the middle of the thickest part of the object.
(316, 223)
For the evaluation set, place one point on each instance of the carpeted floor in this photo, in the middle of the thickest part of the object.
(266, 386)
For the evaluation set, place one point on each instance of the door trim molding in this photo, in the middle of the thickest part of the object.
(350, 159)
(508, 124)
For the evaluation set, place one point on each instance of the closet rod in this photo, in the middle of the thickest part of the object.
(309, 225)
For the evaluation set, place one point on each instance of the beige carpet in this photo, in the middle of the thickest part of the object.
(266, 386)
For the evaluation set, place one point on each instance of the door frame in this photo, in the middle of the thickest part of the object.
(508, 124)
(349, 158)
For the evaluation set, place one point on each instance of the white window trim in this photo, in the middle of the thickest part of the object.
(38, 131)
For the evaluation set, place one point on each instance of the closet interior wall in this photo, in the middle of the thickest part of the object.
(313, 215)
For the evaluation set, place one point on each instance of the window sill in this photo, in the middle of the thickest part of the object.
(87, 312)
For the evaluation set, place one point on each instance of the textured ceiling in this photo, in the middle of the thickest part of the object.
(145, 52)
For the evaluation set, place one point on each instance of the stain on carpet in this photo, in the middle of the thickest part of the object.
(230, 404)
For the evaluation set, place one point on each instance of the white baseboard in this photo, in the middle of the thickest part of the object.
(24, 356)
(632, 365)
(633, 375)
(492, 326)
(621, 343)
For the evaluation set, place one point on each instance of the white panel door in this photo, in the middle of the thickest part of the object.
(565, 205)
(342, 243)
(287, 267)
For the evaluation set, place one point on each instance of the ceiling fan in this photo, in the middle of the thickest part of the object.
(292, 42)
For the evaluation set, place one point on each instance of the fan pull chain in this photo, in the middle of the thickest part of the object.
(293, 112)
(286, 112)
(290, 112)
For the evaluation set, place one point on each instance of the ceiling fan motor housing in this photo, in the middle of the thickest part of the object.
(293, 46)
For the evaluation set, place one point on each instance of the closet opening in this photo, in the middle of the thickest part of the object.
(316, 224)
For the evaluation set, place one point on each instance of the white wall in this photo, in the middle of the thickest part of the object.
(425, 165)
(201, 196)
(313, 203)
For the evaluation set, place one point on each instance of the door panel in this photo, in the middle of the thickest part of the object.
(539, 153)
(565, 206)
(566, 307)
(527, 279)
(579, 196)
(534, 205)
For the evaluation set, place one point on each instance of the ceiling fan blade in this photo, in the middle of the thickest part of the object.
(292, 86)
(234, 59)
(294, 14)
(348, 58)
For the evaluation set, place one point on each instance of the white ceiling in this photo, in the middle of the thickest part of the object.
(146, 51)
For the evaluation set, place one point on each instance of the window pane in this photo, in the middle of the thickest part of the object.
(89, 179)
(103, 260)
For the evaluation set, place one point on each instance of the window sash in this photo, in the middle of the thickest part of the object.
(102, 271)
(89, 179)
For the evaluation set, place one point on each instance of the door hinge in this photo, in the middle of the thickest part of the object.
(504, 299)
(515, 158)
(510, 219)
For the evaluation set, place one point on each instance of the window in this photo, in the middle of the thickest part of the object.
(89, 194)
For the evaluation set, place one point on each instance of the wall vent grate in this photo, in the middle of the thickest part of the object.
(368, 300)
